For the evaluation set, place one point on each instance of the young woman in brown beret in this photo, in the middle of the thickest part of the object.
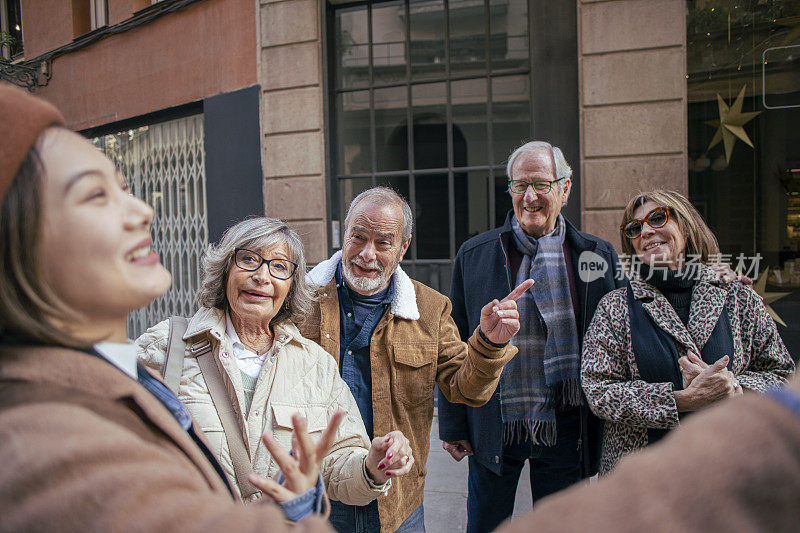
(89, 440)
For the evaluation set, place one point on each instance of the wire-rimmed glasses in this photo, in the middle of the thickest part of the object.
(539, 187)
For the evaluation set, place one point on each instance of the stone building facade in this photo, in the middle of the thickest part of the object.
(429, 96)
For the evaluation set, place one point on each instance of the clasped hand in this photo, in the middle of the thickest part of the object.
(458, 449)
(705, 384)
(389, 456)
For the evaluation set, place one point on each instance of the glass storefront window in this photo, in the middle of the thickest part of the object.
(352, 48)
(511, 107)
(743, 88)
(430, 98)
(426, 47)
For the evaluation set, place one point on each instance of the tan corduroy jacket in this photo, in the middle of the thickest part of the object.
(297, 377)
(83, 447)
(415, 345)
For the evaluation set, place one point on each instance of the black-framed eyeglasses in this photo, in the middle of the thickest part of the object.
(252, 261)
(539, 187)
(657, 218)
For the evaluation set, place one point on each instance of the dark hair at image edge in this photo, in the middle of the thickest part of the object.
(27, 303)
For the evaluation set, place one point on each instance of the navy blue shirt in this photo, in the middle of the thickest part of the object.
(359, 315)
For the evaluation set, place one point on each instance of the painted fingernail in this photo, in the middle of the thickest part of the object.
(389, 474)
(389, 456)
(381, 466)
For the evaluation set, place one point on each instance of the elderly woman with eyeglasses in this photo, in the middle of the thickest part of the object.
(241, 365)
(678, 338)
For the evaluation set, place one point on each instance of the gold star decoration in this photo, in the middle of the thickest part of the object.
(769, 298)
(730, 124)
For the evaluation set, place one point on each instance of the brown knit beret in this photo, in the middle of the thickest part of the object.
(22, 118)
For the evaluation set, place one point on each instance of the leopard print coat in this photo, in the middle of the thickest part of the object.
(611, 379)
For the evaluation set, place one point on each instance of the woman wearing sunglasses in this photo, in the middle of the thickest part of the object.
(677, 339)
(241, 367)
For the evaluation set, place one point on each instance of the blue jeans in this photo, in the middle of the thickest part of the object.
(490, 498)
(364, 519)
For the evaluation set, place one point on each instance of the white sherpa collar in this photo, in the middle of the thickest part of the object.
(404, 303)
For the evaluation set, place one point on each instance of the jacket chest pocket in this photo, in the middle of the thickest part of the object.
(413, 373)
(282, 427)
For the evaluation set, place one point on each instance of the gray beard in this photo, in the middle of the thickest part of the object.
(361, 284)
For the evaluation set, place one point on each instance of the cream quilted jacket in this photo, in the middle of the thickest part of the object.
(299, 377)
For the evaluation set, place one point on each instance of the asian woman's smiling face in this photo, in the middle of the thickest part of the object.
(95, 247)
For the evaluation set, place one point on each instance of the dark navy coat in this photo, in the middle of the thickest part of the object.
(481, 273)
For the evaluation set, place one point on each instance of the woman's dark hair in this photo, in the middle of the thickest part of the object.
(28, 304)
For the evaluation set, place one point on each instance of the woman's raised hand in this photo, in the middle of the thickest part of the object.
(389, 456)
(300, 471)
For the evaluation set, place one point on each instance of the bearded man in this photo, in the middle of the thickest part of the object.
(393, 338)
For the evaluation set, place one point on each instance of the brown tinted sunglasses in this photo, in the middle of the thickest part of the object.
(656, 218)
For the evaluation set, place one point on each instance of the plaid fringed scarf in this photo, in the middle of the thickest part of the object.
(545, 374)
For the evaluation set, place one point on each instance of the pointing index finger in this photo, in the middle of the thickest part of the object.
(519, 291)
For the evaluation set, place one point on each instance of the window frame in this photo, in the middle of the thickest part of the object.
(557, 123)
(98, 14)
(7, 53)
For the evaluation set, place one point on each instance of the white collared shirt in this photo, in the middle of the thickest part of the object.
(248, 361)
(122, 355)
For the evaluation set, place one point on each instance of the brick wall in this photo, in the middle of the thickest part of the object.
(205, 49)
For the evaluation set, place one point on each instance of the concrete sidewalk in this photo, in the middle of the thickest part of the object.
(446, 489)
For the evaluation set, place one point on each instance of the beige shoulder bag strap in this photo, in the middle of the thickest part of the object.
(176, 351)
(230, 425)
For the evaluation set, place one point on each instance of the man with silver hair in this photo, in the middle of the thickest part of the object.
(538, 412)
(393, 338)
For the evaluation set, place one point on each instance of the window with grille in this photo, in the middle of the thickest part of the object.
(164, 164)
(429, 97)
(10, 29)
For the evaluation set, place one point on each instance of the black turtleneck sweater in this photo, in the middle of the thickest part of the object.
(676, 288)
